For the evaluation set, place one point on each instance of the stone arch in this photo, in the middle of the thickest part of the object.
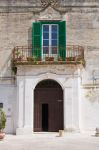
(54, 78)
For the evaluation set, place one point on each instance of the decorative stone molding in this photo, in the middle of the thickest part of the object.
(62, 70)
(37, 6)
(92, 95)
(50, 14)
(50, 2)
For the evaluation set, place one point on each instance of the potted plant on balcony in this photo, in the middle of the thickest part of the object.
(49, 58)
(18, 56)
(2, 123)
(70, 58)
(60, 59)
(31, 58)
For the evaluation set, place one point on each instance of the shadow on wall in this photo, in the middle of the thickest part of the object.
(6, 67)
(30, 37)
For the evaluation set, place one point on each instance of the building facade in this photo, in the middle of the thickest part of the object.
(49, 55)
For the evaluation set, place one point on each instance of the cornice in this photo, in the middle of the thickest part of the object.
(58, 8)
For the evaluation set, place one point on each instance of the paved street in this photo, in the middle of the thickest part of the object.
(50, 141)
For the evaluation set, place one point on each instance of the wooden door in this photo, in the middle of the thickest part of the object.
(53, 99)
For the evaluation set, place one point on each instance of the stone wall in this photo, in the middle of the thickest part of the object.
(15, 30)
(82, 29)
(38, 2)
(8, 95)
(88, 111)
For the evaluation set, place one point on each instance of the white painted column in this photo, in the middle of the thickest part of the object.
(68, 109)
(20, 104)
(33, 111)
(28, 107)
(64, 109)
(75, 104)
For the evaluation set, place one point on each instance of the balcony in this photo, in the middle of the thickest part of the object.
(23, 56)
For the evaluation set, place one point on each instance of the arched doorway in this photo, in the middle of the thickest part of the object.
(48, 106)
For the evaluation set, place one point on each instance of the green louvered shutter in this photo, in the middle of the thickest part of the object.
(36, 39)
(62, 40)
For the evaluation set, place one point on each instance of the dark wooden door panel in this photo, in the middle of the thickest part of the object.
(53, 97)
(37, 113)
(45, 117)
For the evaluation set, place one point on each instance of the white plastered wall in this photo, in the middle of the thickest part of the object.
(25, 100)
(8, 98)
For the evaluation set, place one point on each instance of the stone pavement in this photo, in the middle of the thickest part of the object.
(50, 141)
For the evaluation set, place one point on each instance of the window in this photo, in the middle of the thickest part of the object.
(49, 39)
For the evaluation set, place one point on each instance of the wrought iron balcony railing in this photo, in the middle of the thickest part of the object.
(23, 55)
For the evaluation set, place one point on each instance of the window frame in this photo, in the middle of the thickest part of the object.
(50, 40)
(37, 39)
